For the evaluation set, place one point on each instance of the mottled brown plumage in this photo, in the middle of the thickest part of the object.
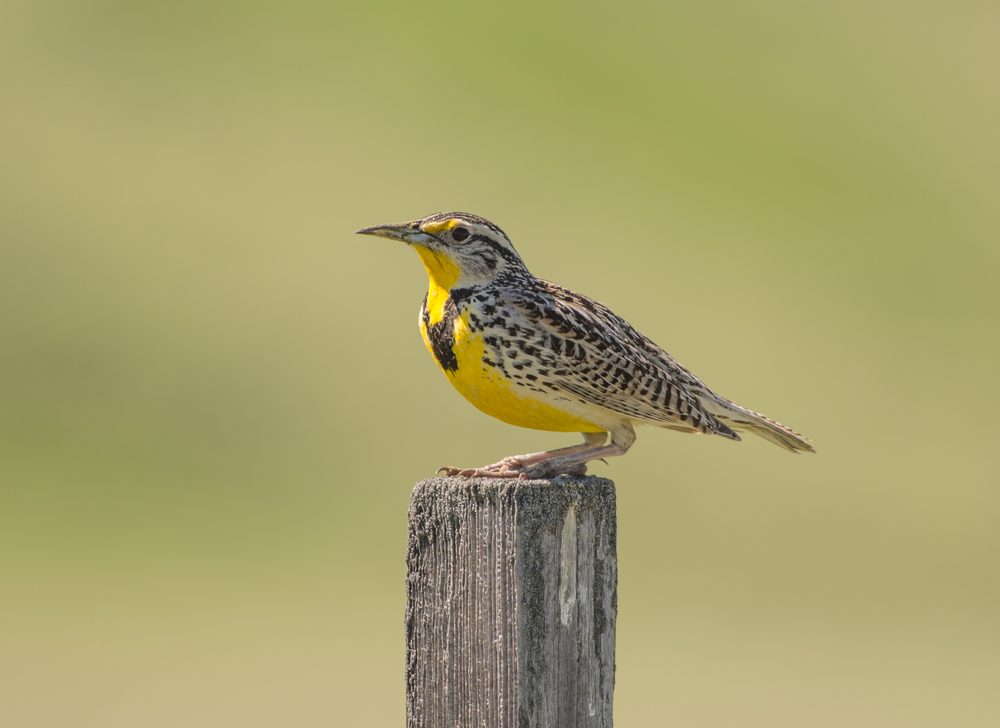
(536, 354)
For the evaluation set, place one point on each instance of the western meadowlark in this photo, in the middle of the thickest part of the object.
(535, 354)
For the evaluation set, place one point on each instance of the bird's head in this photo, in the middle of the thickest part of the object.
(458, 249)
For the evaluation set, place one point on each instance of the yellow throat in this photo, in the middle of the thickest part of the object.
(442, 274)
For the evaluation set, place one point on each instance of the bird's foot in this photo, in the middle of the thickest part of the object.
(515, 467)
(553, 468)
(477, 472)
(510, 467)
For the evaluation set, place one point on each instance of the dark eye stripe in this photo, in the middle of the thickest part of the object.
(503, 252)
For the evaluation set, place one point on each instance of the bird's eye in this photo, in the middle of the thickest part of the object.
(459, 234)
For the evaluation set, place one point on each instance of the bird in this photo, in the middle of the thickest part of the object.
(535, 354)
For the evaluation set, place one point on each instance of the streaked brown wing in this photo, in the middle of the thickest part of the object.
(601, 359)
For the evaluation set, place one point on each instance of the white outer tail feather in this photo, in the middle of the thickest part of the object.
(742, 419)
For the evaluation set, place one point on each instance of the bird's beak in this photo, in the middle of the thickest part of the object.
(408, 232)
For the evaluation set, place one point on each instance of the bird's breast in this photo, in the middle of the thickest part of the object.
(455, 336)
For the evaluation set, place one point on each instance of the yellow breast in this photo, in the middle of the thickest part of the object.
(487, 388)
(483, 385)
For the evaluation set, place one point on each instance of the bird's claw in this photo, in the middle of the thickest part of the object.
(509, 467)
(547, 470)
(513, 467)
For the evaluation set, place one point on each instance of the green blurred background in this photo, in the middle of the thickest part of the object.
(215, 400)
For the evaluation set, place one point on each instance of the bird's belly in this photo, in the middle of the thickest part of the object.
(491, 392)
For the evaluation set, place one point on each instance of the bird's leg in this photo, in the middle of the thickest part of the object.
(514, 466)
(575, 464)
(590, 440)
(571, 463)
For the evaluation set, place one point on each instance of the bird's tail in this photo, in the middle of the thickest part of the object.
(741, 418)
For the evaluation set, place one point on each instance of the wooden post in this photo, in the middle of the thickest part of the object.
(511, 603)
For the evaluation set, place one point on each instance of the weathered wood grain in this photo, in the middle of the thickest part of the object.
(511, 603)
